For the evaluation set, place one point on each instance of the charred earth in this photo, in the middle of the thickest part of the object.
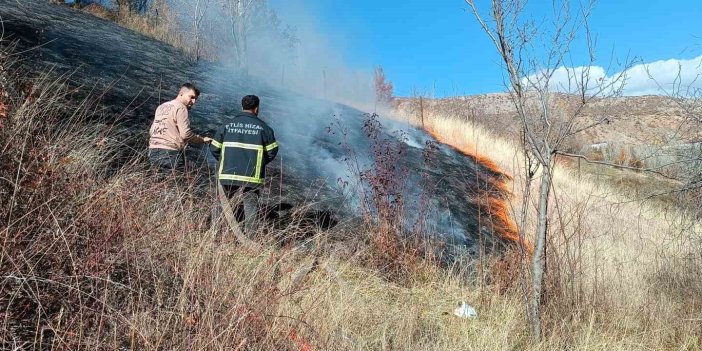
(338, 162)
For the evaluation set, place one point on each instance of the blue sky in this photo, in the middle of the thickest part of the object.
(437, 46)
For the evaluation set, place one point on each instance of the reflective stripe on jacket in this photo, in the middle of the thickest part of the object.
(243, 147)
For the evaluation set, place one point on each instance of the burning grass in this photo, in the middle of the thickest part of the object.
(490, 199)
(98, 253)
(606, 252)
(96, 256)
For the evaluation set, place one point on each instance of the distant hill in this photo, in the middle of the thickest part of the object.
(637, 120)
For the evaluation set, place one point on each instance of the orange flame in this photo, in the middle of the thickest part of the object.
(496, 207)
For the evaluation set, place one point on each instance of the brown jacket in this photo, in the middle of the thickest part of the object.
(171, 128)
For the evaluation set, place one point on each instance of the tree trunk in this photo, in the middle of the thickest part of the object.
(241, 32)
(539, 258)
(196, 25)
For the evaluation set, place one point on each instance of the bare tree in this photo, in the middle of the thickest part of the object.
(240, 15)
(383, 87)
(197, 18)
(222, 29)
(688, 141)
(686, 166)
(199, 11)
(532, 54)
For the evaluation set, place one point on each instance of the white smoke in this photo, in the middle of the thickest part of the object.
(257, 43)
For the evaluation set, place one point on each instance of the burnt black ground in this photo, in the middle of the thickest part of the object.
(137, 73)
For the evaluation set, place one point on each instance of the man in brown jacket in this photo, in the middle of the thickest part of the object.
(170, 131)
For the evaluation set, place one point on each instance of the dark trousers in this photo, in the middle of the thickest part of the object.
(245, 206)
(166, 161)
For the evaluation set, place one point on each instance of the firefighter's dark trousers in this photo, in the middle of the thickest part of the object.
(246, 207)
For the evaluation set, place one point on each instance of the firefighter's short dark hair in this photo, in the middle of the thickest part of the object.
(192, 87)
(250, 102)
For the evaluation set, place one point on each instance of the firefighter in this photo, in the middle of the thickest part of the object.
(170, 131)
(243, 146)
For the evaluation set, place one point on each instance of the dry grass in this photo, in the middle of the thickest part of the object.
(609, 254)
(120, 260)
(110, 258)
(101, 257)
(159, 23)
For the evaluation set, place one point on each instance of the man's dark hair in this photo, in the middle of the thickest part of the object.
(250, 102)
(190, 86)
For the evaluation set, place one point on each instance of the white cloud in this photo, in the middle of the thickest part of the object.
(654, 78)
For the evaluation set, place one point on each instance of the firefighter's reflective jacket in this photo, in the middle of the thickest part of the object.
(243, 147)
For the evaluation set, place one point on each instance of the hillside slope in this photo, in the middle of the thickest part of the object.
(131, 74)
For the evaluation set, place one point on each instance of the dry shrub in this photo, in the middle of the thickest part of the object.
(104, 257)
(52, 253)
(636, 161)
(596, 155)
(384, 205)
(621, 158)
(504, 270)
(577, 144)
(158, 22)
(100, 11)
(393, 248)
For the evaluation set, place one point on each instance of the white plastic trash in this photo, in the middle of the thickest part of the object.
(465, 310)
